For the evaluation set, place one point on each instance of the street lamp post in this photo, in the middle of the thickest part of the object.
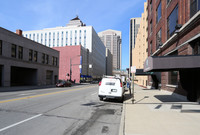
(70, 77)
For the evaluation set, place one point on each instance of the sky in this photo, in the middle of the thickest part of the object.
(101, 14)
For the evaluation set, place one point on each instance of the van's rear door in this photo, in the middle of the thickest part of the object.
(110, 87)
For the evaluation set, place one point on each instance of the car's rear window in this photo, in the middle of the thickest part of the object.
(110, 83)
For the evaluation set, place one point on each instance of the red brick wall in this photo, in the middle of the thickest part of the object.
(66, 53)
(184, 16)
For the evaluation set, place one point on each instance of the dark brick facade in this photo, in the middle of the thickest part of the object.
(179, 43)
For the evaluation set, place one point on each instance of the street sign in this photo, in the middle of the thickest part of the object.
(133, 69)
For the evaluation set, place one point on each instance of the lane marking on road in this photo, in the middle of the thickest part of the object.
(5, 128)
(52, 93)
(94, 94)
(25, 94)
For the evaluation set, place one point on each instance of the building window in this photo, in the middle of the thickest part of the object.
(196, 47)
(58, 39)
(151, 6)
(41, 38)
(62, 39)
(66, 38)
(158, 13)
(70, 37)
(84, 38)
(75, 37)
(172, 21)
(49, 39)
(1, 47)
(35, 56)
(173, 77)
(54, 61)
(53, 39)
(37, 37)
(47, 59)
(45, 39)
(80, 38)
(14, 51)
(30, 55)
(194, 7)
(43, 58)
(151, 52)
(151, 27)
(20, 52)
(158, 39)
(33, 37)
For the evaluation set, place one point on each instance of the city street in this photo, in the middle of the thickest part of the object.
(58, 111)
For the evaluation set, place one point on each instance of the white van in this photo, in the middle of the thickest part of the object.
(111, 87)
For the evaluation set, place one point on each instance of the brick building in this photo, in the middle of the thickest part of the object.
(174, 46)
(75, 63)
(24, 62)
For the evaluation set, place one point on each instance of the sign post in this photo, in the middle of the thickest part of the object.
(133, 70)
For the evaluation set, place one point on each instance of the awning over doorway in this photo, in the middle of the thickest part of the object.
(169, 63)
(140, 72)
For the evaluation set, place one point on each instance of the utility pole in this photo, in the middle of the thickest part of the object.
(70, 77)
(132, 88)
(71, 58)
(133, 71)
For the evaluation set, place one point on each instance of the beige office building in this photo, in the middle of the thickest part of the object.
(112, 41)
(134, 26)
(140, 52)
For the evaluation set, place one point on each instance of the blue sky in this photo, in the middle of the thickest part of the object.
(101, 14)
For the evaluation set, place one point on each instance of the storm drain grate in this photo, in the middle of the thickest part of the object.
(176, 107)
(190, 111)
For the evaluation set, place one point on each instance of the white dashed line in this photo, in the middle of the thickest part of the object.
(5, 128)
(94, 94)
(25, 94)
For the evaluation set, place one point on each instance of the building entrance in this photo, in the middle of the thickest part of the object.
(49, 77)
(23, 76)
(1, 75)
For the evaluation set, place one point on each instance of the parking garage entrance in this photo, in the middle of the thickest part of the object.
(21, 76)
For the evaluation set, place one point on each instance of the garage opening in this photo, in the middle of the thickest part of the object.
(49, 77)
(23, 76)
(1, 75)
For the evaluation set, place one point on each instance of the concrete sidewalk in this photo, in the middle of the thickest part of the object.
(158, 112)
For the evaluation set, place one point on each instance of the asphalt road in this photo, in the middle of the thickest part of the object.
(58, 111)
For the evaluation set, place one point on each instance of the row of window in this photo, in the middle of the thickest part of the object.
(61, 36)
(172, 20)
(14, 52)
(17, 52)
(194, 8)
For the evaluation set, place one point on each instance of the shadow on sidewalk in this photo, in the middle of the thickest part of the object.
(127, 96)
(168, 98)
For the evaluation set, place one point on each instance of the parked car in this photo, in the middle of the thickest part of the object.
(111, 87)
(64, 83)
